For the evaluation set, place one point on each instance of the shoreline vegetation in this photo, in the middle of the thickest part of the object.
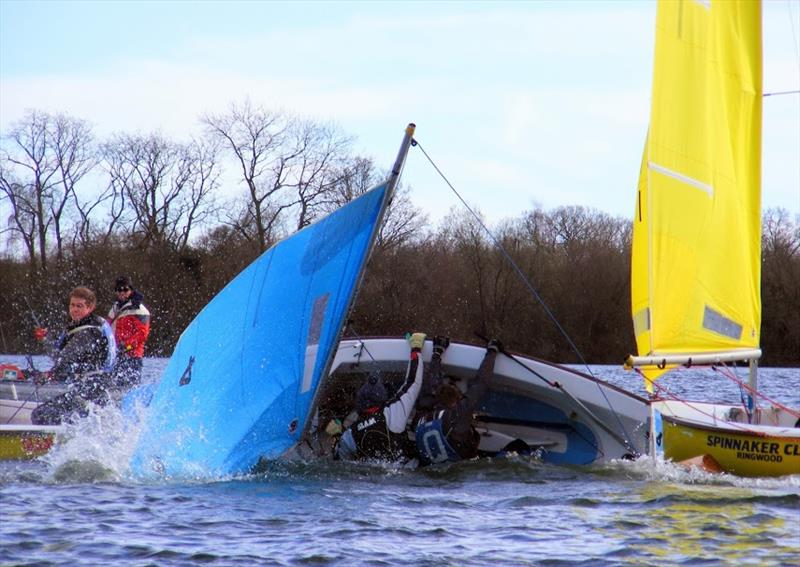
(183, 218)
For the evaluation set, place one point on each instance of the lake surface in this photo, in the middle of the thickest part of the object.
(78, 506)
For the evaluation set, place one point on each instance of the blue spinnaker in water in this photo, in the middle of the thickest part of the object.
(243, 375)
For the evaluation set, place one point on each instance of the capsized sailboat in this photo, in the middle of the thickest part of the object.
(533, 407)
(695, 280)
(241, 382)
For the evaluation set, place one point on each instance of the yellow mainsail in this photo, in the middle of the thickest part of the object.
(695, 282)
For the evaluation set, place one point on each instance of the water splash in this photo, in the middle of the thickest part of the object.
(97, 448)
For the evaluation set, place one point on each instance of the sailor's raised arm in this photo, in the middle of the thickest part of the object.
(398, 411)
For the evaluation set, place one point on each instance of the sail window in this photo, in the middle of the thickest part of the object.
(716, 322)
(312, 342)
(681, 177)
(641, 321)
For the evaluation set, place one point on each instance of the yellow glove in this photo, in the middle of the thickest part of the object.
(334, 427)
(416, 341)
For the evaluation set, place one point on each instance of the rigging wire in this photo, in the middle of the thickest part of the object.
(665, 395)
(526, 282)
(511, 261)
(780, 93)
(725, 371)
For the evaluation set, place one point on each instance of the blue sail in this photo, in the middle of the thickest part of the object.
(240, 383)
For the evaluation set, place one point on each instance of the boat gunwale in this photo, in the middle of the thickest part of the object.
(521, 357)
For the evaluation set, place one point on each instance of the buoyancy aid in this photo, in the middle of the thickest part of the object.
(432, 444)
(99, 356)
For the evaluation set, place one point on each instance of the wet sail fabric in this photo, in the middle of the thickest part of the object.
(241, 381)
(697, 231)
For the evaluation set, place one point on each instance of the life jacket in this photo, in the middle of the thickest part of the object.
(111, 353)
(369, 438)
(432, 444)
(131, 307)
(111, 344)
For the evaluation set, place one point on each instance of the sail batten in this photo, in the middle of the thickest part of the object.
(695, 280)
(683, 178)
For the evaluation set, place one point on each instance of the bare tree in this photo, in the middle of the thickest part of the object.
(89, 226)
(403, 221)
(20, 223)
(46, 158)
(75, 156)
(289, 166)
(164, 188)
(321, 151)
(256, 138)
(33, 164)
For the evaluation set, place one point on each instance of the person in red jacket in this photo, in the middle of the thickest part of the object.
(130, 320)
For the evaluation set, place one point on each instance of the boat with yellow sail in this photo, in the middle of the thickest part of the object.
(695, 283)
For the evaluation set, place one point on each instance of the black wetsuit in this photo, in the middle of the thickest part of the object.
(447, 433)
(81, 360)
(380, 433)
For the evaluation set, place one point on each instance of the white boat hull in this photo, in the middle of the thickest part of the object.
(565, 416)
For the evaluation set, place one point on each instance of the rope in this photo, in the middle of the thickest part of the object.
(714, 418)
(725, 371)
(358, 337)
(530, 288)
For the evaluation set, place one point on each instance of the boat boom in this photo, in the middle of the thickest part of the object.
(689, 359)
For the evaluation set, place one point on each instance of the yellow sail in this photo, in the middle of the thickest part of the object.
(697, 230)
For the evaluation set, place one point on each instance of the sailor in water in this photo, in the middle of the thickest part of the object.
(444, 423)
(83, 357)
(379, 432)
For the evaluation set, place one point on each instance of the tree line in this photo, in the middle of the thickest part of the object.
(81, 211)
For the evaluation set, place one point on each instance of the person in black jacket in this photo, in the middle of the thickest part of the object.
(444, 424)
(83, 357)
(379, 433)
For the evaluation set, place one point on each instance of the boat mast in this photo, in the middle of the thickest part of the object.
(397, 168)
(391, 182)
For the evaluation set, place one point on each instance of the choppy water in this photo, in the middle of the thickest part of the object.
(78, 507)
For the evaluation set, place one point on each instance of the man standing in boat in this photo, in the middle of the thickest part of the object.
(130, 319)
(379, 433)
(83, 357)
(445, 430)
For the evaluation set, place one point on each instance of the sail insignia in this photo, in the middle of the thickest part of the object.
(186, 377)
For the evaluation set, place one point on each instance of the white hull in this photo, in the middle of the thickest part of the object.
(29, 391)
(16, 412)
(571, 424)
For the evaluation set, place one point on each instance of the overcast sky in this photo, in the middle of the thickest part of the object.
(519, 103)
